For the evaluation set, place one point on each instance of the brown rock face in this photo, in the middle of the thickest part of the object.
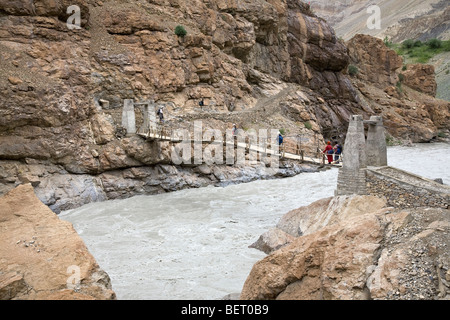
(317, 56)
(354, 248)
(311, 218)
(421, 77)
(42, 257)
(404, 98)
(376, 62)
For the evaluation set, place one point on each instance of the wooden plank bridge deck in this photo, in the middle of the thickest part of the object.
(163, 134)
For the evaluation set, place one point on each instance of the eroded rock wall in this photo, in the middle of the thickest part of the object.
(42, 257)
(354, 248)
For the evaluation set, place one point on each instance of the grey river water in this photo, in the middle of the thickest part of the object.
(193, 244)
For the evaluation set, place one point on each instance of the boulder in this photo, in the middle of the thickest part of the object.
(359, 252)
(421, 77)
(309, 219)
(42, 257)
(375, 61)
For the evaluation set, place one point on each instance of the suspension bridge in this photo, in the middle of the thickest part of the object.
(152, 129)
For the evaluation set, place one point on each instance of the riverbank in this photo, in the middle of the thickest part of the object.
(61, 190)
(193, 243)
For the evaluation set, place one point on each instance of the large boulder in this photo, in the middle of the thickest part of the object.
(377, 64)
(421, 77)
(354, 249)
(42, 257)
(309, 219)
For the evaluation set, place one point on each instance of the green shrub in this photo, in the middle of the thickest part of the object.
(308, 125)
(446, 45)
(422, 53)
(391, 141)
(387, 42)
(418, 43)
(352, 70)
(180, 31)
(408, 44)
(282, 131)
(405, 67)
(401, 77)
(434, 43)
(398, 87)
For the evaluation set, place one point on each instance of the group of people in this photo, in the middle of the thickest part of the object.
(333, 152)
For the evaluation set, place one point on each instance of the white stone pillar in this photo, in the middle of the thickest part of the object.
(129, 116)
(376, 149)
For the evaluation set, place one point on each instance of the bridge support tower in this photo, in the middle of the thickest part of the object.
(359, 153)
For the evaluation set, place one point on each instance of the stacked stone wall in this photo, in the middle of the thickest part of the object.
(405, 195)
(351, 182)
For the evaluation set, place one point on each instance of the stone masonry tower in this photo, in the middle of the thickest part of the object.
(376, 150)
(358, 154)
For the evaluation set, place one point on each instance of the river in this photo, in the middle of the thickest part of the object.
(193, 244)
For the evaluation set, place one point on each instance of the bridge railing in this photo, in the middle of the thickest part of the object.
(164, 131)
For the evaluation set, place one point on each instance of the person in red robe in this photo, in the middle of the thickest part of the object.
(329, 152)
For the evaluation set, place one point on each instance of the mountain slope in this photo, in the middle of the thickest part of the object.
(400, 19)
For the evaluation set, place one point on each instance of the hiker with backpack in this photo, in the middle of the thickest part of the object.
(280, 139)
(337, 152)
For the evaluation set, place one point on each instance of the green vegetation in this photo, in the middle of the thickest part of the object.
(391, 141)
(401, 78)
(398, 87)
(417, 51)
(308, 125)
(352, 70)
(180, 31)
(282, 131)
(388, 42)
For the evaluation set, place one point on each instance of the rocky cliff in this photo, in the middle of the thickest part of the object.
(354, 248)
(42, 257)
(260, 64)
(403, 94)
(400, 19)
